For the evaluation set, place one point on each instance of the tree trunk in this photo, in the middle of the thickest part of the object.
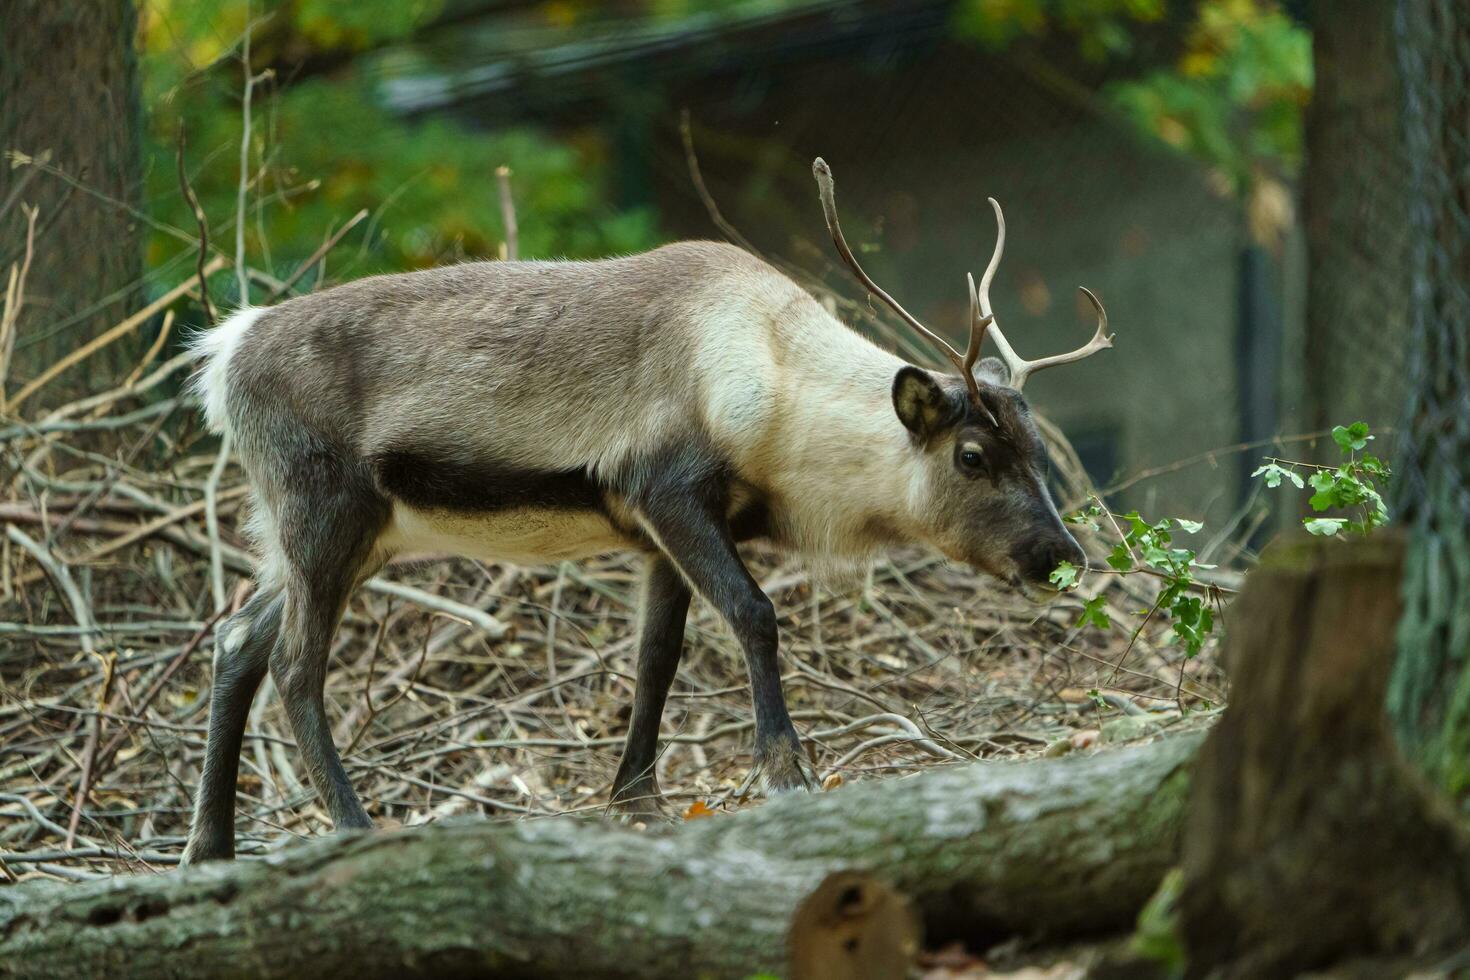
(1308, 840)
(1052, 847)
(69, 87)
(1429, 697)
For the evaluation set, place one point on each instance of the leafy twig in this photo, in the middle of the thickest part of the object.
(1351, 484)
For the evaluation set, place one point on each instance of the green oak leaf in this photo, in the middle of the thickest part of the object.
(1093, 614)
(1324, 526)
(1064, 576)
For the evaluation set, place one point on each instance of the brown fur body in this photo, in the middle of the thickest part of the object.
(673, 402)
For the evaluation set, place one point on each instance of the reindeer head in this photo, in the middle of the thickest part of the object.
(988, 504)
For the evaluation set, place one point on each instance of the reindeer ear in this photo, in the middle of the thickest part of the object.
(993, 370)
(920, 402)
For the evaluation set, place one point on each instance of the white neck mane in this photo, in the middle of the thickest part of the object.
(849, 477)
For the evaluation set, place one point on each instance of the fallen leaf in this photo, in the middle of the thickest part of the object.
(832, 781)
(696, 810)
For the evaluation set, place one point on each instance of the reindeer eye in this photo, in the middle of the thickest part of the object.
(971, 459)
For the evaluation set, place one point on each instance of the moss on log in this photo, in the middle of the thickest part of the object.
(1050, 847)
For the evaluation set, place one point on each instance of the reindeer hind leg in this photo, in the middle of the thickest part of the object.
(328, 524)
(242, 652)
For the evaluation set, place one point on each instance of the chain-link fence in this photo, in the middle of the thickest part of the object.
(1430, 697)
(1355, 204)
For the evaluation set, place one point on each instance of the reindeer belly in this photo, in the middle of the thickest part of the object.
(481, 508)
(522, 535)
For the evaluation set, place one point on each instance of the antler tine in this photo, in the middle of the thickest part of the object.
(978, 324)
(1013, 361)
(1019, 367)
(1101, 340)
(827, 190)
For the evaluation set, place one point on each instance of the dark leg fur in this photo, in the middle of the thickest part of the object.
(663, 609)
(684, 505)
(331, 539)
(326, 515)
(243, 649)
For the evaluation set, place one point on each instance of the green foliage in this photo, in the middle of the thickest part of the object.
(1148, 547)
(1094, 615)
(1064, 576)
(1103, 28)
(1234, 100)
(680, 9)
(1272, 474)
(1352, 485)
(333, 24)
(323, 148)
(1151, 546)
(1157, 936)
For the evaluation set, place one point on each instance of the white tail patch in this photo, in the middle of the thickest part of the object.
(214, 348)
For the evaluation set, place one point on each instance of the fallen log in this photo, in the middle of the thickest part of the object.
(1054, 847)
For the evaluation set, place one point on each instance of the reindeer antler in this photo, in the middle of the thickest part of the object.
(1019, 367)
(978, 321)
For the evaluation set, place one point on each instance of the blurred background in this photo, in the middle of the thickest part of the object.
(1151, 150)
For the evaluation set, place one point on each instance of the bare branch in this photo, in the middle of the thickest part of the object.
(61, 578)
(486, 623)
(696, 175)
(199, 219)
(508, 214)
(15, 292)
(332, 241)
(241, 273)
(111, 335)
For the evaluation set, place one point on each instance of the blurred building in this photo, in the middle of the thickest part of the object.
(919, 128)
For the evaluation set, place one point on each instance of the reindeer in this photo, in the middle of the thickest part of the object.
(675, 403)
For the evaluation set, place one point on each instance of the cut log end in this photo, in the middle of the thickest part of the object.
(853, 927)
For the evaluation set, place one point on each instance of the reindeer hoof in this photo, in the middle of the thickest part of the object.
(641, 802)
(783, 767)
(200, 850)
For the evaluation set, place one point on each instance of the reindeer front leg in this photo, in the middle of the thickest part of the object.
(685, 515)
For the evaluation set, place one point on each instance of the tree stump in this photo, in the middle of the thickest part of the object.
(1308, 839)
